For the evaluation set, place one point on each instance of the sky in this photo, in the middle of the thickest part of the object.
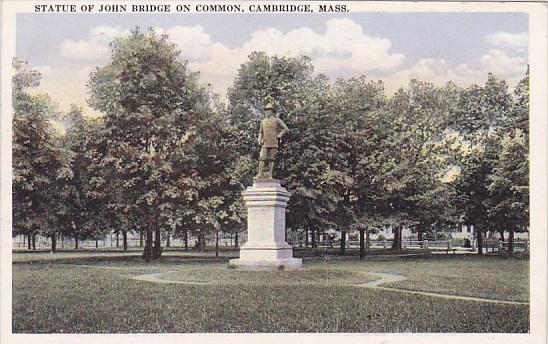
(393, 47)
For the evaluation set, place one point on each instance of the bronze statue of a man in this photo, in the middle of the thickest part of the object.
(272, 128)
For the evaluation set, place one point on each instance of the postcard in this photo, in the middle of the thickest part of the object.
(243, 171)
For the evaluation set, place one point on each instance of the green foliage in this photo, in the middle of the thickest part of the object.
(412, 160)
(152, 104)
(146, 92)
(508, 185)
(39, 167)
(168, 155)
(281, 81)
(171, 150)
(482, 110)
(492, 187)
(206, 166)
(86, 196)
(519, 116)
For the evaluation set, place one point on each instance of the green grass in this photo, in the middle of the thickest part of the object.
(49, 297)
(224, 276)
(491, 277)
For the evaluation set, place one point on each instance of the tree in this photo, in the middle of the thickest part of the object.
(519, 116)
(86, 197)
(348, 141)
(206, 163)
(38, 166)
(480, 116)
(412, 160)
(508, 183)
(150, 99)
(509, 187)
(288, 85)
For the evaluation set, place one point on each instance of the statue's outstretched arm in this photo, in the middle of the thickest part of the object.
(284, 130)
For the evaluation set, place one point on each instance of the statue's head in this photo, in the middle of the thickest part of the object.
(269, 109)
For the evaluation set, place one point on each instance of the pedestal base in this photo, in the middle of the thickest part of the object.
(276, 257)
(279, 264)
(266, 247)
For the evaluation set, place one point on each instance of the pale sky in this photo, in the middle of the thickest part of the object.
(393, 47)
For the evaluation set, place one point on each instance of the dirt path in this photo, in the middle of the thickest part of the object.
(383, 278)
(156, 278)
(93, 266)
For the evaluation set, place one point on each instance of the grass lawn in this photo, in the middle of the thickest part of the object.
(54, 296)
(490, 277)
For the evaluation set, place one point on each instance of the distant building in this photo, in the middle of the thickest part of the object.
(467, 231)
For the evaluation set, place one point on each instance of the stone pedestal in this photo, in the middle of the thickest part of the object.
(266, 247)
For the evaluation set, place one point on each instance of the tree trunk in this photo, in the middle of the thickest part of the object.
(200, 243)
(147, 254)
(62, 241)
(203, 242)
(479, 239)
(34, 241)
(501, 236)
(511, 240)
(117, 239)
(396, 244)
(168, 244)
(141, 239)
(236, 240)
(343, 243)
(306, 237)
(29, 241)
(54, 242)
(96, 243)
(419, 235)
(367, 239)
(124, 240)
(313, 232)
(395, 240)
(217, 243)
(318, 236)
(157, 252)
(75, 240)
(362, 243)
(185, 238)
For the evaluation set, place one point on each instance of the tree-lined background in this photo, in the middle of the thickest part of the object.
(169, 157)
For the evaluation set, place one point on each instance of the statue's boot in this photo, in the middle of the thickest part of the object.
(270, 169)
(261, 169)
